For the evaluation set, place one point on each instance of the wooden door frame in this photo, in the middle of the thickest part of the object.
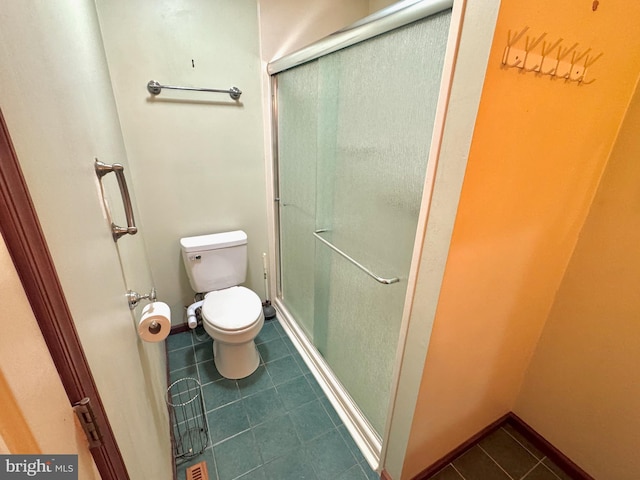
(28, 249)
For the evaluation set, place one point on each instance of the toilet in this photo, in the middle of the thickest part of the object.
(231, 314)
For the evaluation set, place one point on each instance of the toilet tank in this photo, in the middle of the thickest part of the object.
(215, 261)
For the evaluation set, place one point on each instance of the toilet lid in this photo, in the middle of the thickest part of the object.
(231, 309)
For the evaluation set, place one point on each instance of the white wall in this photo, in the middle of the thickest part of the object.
(197, 158)
(288, 25)
(375, 5)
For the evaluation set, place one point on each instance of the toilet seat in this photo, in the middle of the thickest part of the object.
(232, 309)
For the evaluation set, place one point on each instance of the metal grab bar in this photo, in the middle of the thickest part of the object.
(155, 88)
(385, 281)
(101, 170)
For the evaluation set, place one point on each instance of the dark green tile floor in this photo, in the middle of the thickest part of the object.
(275, 424)
(503, 455)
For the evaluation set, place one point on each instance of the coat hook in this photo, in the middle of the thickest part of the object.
(582, 82)
(511, 41)
(575, 58)
(518, 36)
(514, 64)
(554, 69)
(580, 57)
(562, 54)
(545, 52)
(588, 63)
(534, 42)
(528, 47)
(567, 76)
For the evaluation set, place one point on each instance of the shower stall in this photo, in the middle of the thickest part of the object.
(353, 118)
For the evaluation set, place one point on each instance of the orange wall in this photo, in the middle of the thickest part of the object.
(35, 413)
(538, 152)
(581, 390)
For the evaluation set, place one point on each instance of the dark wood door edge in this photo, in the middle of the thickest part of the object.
(537, 440)
(28, 249)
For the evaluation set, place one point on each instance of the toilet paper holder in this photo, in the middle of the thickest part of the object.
(134, 297)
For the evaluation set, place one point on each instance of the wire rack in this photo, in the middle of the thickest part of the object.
(186, 410)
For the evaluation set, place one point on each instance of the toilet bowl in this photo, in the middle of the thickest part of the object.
(231, 314)
(233, 317)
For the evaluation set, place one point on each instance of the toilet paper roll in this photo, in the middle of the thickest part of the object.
(155, 322)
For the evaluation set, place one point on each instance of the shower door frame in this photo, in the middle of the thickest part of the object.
(467, 56)
(373, 447)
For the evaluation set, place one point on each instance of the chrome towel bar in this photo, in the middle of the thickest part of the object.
(155, 88)
(101, 170)
(385, 281)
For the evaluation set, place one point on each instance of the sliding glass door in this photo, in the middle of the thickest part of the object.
(354, 132)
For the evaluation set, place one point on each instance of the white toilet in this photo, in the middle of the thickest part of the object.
(231, 314)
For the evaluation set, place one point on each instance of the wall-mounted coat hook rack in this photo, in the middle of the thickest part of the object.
(541, 61)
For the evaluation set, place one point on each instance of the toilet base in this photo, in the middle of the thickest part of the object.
(235, 360)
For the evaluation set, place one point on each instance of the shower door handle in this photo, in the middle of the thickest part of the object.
(377, 278)
(101, 170)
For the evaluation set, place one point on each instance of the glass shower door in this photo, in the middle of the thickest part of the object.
(354, 132)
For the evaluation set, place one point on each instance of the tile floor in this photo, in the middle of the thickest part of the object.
(503, 455)
(275, 424)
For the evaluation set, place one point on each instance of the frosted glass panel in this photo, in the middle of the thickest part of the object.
(297, 134)
(372, 118)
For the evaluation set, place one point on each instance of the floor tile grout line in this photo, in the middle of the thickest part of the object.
(457, 471)
(199, 373)
(521, 444)
(531, 470)
(545, 466)
(495, 461)
(541, 460)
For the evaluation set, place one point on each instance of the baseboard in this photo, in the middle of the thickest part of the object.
(537, 440)
(460, 449)
(180, 328)
(542, 444)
